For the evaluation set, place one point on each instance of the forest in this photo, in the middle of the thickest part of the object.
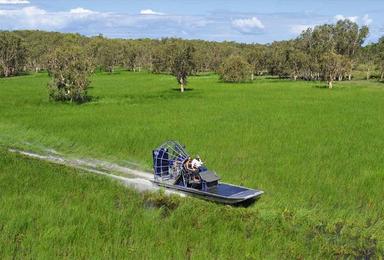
(329, 52)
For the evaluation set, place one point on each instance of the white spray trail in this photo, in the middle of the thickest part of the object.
(136, 179)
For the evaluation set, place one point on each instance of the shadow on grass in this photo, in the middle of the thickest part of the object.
(278, 77)
(87, 100)
(185, 89)
(161, 201)
(321, 86)
(92, 99)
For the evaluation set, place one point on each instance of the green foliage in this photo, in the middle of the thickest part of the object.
(163, 56)
(349, 37)
(182, 64)
(379, 59)
(235, 69)
(70, 69)
(298, 58)
(128, 56)
(13, 54)
(331, 66)
(257, 58)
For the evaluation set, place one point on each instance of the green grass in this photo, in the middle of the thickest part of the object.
(316, 152)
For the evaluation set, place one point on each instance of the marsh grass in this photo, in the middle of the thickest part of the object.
(317, 153)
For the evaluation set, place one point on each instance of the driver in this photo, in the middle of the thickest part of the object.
(192, 166)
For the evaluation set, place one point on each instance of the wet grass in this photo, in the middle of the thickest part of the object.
(316, 152)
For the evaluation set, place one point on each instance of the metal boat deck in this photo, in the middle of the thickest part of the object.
(222, 193)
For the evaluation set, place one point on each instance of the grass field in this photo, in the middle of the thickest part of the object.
(317, 153)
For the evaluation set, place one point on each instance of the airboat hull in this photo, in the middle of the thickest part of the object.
(223, 193)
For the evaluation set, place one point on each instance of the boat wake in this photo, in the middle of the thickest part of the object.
(139, 180)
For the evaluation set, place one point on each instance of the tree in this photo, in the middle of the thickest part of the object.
(367, 59)
(107, 55)
(70, 69)
(349, 39)
(276, 59)
(380, 57)
(345, 68)
(256, 57)
(235, 69)
(297, 61)
(182, 64)
(162, 56)
(128, 56)
(13, 54)
(301, 58)
(331, 63)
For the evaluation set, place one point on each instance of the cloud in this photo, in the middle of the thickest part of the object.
(80, 13)
(32, 17)
(367, 20)
(89, 22)
(213, 26)
(342, 17)
(248, 25)
(299, 28)
(14, 2)
(150, 12)
(80, 10)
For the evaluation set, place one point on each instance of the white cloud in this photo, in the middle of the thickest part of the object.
(248, 25)
(32, 17)
(90, 22)
(367, 20)
(80, 10)
(342, 17)
(14, 2)
(150, 12)
(299, 28)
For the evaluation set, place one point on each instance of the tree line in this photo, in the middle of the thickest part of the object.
(326, 52)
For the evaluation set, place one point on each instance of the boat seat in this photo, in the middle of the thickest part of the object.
(209, 176)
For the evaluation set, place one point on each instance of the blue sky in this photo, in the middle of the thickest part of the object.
(242, 20)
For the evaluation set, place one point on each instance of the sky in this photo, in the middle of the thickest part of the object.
(257, 21)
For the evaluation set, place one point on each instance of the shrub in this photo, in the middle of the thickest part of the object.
(70, 69)
(235, 69)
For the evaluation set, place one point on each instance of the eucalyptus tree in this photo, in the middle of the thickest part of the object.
(380, 57)
(235, 69)
(277, 60)
(367, 59)
(331, 65)
(257, 58)
(163, 56)
(297, 63)
(349, 38)
(182, 64)
(70, 68)
(127, 55)
(107, 55)
(13, 54)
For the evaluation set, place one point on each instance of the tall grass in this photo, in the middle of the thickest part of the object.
(50, 211)
(317, 153)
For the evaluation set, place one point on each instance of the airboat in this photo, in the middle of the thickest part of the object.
(175, 169)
